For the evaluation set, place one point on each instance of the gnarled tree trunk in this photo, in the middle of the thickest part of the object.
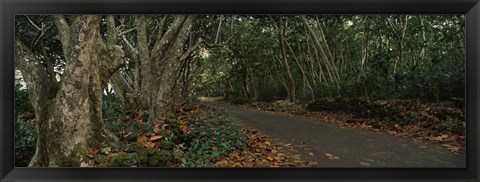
(69, 120)
(160, 64)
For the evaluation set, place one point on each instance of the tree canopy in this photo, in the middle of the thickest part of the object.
(72, 64)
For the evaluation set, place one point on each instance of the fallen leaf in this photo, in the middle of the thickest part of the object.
(331, 156)
(269, 158)
(155, 137)
(222, 163)
(142, 139)
(301, 146)
(268, 143)
(452, 148)
(91, 153)
(438, 138)
(156, 128)
(391, 132)
(183, 128)
(364, 164)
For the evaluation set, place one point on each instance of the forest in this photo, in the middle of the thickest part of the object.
(163, 90)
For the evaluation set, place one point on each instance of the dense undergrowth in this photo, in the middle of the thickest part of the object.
(209, 135)
(440, 117)
(25, 132)
(195, 135)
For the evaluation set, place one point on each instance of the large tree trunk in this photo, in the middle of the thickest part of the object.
(41, 91)
(156, 67)
(146, 67)
(159, 65)
(69, 121)
(167, 63)
(125, 92)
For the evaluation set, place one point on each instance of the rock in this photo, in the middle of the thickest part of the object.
(99, 158)
(130, 150)
(144, 154)
(160, 158)
(222, 163)
(115, 146)
(134, 147)
(166, 145)
(130, 138)
(123, 160)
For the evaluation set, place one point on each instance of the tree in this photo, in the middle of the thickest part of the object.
(158, 56)
(286, 68)
(69, 116)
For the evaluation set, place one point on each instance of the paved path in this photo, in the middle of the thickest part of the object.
(354, 147)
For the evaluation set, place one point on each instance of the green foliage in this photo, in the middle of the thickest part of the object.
(124, 160)
(374, 56)
(166, 145)
(211, 134)
(25, 132)
(25, 141)
(119, 122)
(140, 156)
(22, 101)
(111, 108)
(438, 117)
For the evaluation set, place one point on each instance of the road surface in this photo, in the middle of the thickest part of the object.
(333, 146)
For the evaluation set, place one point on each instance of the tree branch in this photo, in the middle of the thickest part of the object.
(63, 31)
(163, 43)
(35, 25)
(126, 32)
(34, 74)
(191, 49)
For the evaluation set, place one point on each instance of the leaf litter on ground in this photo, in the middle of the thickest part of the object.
(454, 142)
(260, 152)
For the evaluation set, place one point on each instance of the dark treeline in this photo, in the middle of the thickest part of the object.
(310, 57)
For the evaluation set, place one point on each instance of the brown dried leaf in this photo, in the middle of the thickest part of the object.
(91, 153)
(331, 156)
(143, 140)
(439, 138)
(156, 128)
(454, 149)
(155, 137)
(183, 128)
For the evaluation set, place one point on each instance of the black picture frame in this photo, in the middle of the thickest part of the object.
(8, 8)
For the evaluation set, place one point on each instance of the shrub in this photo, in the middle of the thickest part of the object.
(139, 156)
(210, 135)
(25, 141)
(25, 132)
(22, 101)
